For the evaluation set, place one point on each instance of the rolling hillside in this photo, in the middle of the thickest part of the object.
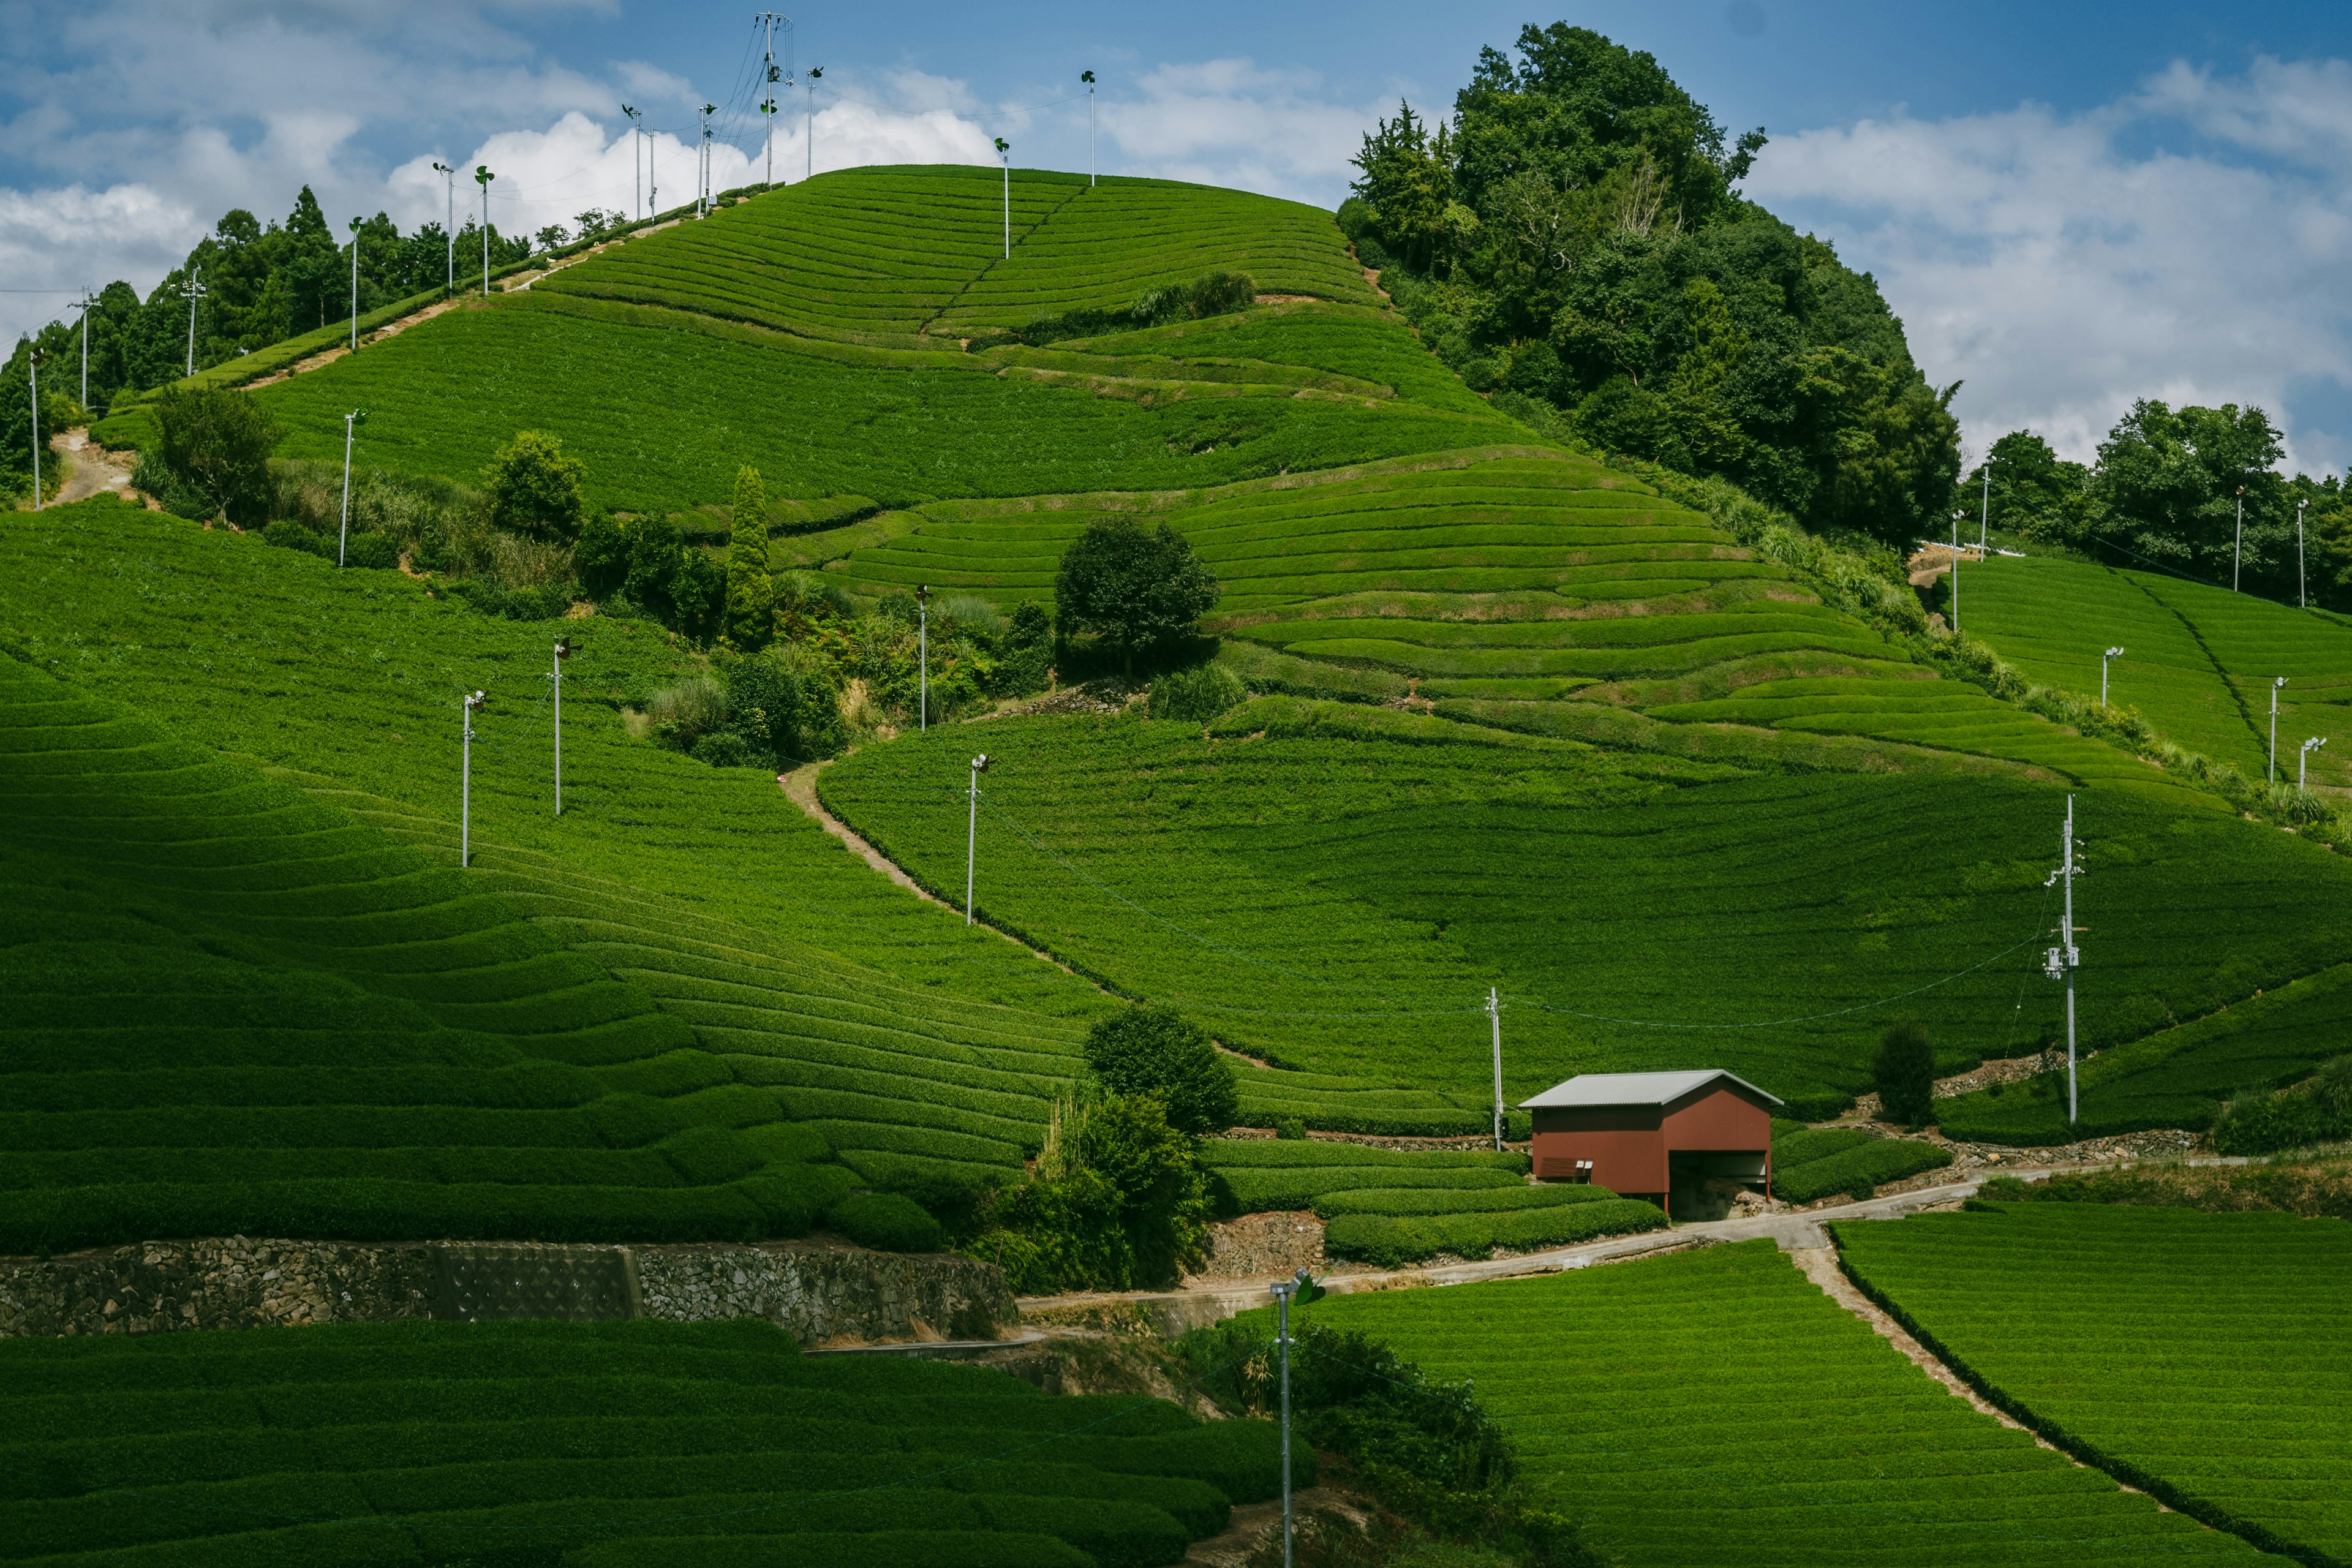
(2198, 661)
(233, 1009)
(1716, 1407)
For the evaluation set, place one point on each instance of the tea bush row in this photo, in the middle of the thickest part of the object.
(2198, 1356)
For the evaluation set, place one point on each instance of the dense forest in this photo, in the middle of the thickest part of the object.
(261, 284)
(1573, 238)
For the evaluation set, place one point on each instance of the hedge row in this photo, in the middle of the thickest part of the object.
(1859, 1169)
(1391, 1241)
(1402, 1200)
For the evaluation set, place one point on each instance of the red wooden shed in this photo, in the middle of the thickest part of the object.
(1650, 1134)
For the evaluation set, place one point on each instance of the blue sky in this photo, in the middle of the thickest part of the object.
(2070, 205)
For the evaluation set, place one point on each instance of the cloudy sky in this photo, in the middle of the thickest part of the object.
(2070, 205)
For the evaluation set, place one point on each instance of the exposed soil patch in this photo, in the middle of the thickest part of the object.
(94, 469)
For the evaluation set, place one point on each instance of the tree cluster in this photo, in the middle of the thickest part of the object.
(2164, 493)
(263, 283)
(1573, 238)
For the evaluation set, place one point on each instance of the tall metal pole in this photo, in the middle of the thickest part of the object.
(482, 177)
(971, 833)
(2073, 959)
(1956, 571)
(344, 528)
(2270, 774)
(33, 370)
(196, 292)
(1984, 516)
(1495, 1012)
(466, 781)
(808, 125)
(2238, 555)
(2111, 653)
(923, 659)
(563, 652)
(87, 300)
(355, 285)
(1005, 152)
(1282, 1294)
(2301, 595)
(1088, 77)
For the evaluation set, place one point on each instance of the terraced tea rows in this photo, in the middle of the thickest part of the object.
(1389, 1207)
(895, 250)
(418, 1442)
(1715, 1407)
(2204, 1357)
(2198, 661)
(233, 1010)
(1340, 900)
(1515, 575)
(1813, 1164)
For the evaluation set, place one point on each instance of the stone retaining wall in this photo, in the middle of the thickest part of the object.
(821, 1294)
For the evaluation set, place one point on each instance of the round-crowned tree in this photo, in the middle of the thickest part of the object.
(533, 488)
(1134, 588)
(1158, 1051)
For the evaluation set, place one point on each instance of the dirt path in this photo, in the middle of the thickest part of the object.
(94, 467)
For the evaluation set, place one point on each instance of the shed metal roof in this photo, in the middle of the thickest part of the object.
(1632, 1089)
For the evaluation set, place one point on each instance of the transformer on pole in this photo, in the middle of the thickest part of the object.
(465, 780)
(971, 833)
(2061, 962)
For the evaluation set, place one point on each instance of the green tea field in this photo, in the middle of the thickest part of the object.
(588, 1445)
(2201, 1357)
(1340, 898)
(1716, 1407)
(2198, 661)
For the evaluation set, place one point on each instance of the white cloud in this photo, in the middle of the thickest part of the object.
(1230, 122)
(2187, 243)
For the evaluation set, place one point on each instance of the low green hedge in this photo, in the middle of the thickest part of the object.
(1264, 1190)
(1391, 1241)
(1425, 1201)
(1880, 1160)
(1261, 1152)
(885, 1222)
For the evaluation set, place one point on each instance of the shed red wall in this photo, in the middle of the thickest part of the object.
(1628, 1144)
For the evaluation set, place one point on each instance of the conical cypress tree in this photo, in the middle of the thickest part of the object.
(751, 595)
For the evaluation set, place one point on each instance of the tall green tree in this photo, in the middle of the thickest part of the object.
(216, 446)
(1136, 589)
(2167, 486)
(751, 593)
(534, 488)
(1575, 237)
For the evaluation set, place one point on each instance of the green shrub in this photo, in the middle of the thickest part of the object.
(685, 711)
(533, 488)
(886, 1222)
(1392, 1242)
(1289, 1129)
(1158, 1051)
(1116, 1202)
(216, 446)
(726, 749)
(1220, 293)
(375, 553)
(1858, 1170)
(1904, 1072)
(1196, 695)
(1134, 589)
(294, 536)
(783, 699)
(2318, 1111)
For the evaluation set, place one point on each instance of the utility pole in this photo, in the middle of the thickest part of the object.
(342, 533)
(355, 285)
(482, 177)
(1984, 517)
(1955, 571)
(2111, 653)
(1302, 1288)
(1495, 1013)
(87, 300)
(466, 781)
(2061, 962)
(2238, 555)
(923, 659)
(2303, 763)
(971, 833)
(563, 652)
(1004, 151)
(703, 210)
(636, 156)
(769, 19)
(32, 371)
(2302, 597)
(450, 222)
(808, 125)
(2270, 774)
(1088, 77)
(195, 292)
